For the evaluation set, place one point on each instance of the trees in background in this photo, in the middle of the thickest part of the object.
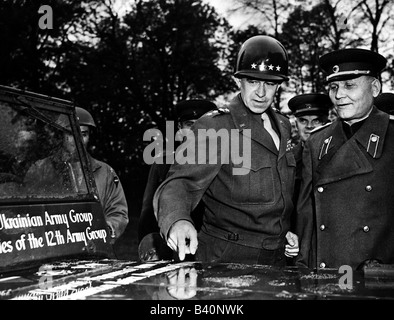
(128, 70)
(305, 36)
(311, 28)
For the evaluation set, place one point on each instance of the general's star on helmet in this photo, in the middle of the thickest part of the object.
(262, 67)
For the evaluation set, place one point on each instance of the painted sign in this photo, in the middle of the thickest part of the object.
(35, 232)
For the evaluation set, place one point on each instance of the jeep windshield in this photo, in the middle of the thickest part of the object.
(39, 156)
(49, 205)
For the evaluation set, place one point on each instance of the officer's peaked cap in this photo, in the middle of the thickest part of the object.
(351, 63)
(310, 104)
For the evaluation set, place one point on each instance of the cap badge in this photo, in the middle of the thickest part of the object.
(335, 68)
(308, 105)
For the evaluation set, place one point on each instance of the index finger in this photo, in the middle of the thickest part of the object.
(181, 248)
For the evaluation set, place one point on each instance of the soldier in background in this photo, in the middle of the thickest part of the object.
(151, 245)
(311, 111)
(111, 193)
(346, 203)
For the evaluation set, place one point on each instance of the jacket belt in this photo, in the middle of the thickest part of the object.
(246, 239)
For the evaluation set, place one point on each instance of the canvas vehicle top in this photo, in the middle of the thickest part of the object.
(49, 205)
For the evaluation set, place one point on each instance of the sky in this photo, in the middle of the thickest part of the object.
(222, 7)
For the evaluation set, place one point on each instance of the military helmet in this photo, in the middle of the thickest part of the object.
(84, 117)
(262, 58)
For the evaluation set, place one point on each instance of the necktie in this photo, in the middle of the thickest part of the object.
(268, 127)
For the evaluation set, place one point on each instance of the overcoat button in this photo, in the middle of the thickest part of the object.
(366, 229)
(322, 265)
(322, 227)
(320, 189)
(368, 188)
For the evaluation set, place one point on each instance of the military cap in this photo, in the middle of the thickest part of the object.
(351, 63)
(310, 103)
(385, 102)
(193, 109)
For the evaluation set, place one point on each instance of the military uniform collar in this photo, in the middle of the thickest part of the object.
(94, 163)
(372, 133)
(239, 115)
(244, 119)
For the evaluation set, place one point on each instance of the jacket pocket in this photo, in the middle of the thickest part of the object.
(256, 187)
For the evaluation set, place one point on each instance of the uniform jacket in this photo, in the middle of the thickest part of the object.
(147, 222)
(346, 203)
(112, 197)
(252, 209)
(149, 238)
(297, 151)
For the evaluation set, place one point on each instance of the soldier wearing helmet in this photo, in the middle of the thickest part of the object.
(247, 216)
(110, 190)
(61, 172)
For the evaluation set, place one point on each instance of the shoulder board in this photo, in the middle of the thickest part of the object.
(321, 127)
(391, 117)
(218, 111)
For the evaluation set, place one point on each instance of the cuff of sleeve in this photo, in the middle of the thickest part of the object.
(166, 225)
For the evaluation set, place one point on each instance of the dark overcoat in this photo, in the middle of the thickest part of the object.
(346, 203)
(251, 209)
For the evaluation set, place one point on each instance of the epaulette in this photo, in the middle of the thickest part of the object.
(391, 117)
(321, 127)
(221, 110)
